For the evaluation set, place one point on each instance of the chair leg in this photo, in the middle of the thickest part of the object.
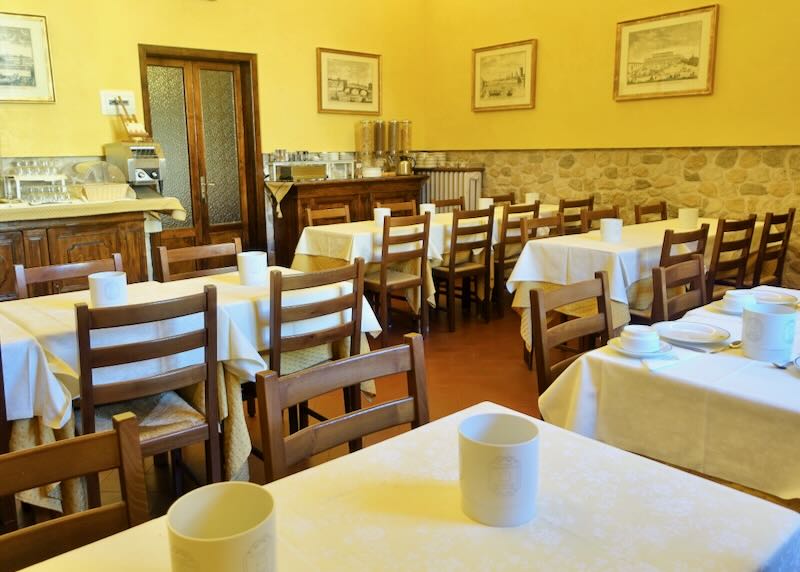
(8, 514)
(176, 456)
(93, 490)
(499, 292)
(425, 313)
(383, 316)
(294, 419)
(302, 415)
(451, 303)
(161, 460)
(214, 456)
(352, 402)
(251, 407)
(487, 299)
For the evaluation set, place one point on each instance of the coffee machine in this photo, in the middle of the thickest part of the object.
(143, 164)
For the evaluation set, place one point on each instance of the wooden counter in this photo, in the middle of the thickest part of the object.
(360, 195)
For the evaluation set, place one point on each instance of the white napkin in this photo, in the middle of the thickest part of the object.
(675, 356)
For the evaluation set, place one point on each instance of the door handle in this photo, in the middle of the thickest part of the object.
(204, 187)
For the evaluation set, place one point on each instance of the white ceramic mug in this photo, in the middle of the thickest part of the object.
(252, 268)
(223, 526)
(531, 198)
(108, 289)
(640, 338)
(687, 218)
(485, 203)
(611, 229)
(768, 332)
(737, 300)
(381, 213)
(427, 208)
(499, 468)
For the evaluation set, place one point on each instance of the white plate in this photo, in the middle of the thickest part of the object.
(774, 298)
(691, 332)
(718, 306)
(617, 346)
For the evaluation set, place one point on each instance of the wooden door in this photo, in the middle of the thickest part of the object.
(195, 111)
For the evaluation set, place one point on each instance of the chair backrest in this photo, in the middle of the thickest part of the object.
(56, 273)
(510, 223)
(327, 216)
(468, 237)
(546, 337)
(688, 278)
(731, 251)
(529, 227)
(572, 220)
(588, 218)
(281, 314)
(772, 246)
(507, 198)
(70, 458)
(406, 246)
(196, 255)
(408, 208)
(642, 211)
(278, 393)
(203, 372)
(671, 239)
(457, 203)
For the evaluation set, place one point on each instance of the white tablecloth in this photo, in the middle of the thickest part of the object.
(242, 324)
(576, 257)
(720, 414)
(395, 506)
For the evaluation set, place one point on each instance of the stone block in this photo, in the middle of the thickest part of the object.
(749, 158)
(752, 189)
(758, 175)
(641, 184)
(652, 158)
(736, 176)
(695, 162)
(727, 158)
(611, 172)
(691, 175)
(640, 171)
(567, 161)
(779, 188)
(664, 181)
(775, 157)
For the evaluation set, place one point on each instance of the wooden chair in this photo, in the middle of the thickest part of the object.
(8, 511)
(463, 239)
(54, 275)
(327, 216)
(188, 425)
(407, 208)
(772, 246)
(506, 252)
(196, 255)
(642, 211)
(407, 249)
(71, 458)
(589, 218)
(572, 221)
(277, 393)
(281, 314)
(733, 240)
(529, 227)
(457, 204)
(689, 276)
(587, 329)
(507, 198)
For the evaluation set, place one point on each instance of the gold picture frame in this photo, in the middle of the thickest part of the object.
(26, 73)
(670, 55)
(348, 82)
(504, 76)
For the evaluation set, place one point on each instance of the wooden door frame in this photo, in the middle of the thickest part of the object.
(254, 163)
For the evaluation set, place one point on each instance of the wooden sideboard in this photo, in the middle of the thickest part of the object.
(360, 195)
(60, 240)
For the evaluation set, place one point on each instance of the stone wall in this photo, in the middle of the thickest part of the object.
(723, 182)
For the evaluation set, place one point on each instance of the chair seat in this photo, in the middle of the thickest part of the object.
(393, 278)
(158, 415)
(462, 268)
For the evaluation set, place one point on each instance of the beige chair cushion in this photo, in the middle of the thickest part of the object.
(157, 415)
(392, 277)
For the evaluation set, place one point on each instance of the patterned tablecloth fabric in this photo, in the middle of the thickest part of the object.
(721, 414)
(395, 506)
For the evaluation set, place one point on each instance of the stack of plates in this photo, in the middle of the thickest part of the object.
(431, 160)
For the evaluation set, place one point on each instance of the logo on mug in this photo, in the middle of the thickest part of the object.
(505, 476)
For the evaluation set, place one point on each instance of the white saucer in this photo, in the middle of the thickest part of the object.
(691, 332)
(616, 345)
(718, 306)
(774, 298)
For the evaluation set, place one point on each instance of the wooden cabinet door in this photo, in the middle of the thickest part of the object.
(11, 253)
(80, 244)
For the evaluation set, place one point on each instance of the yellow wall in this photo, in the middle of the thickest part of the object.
(94, 43)
(755, 101)
(426, 47)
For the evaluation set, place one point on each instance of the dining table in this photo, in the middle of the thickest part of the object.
(333, 245)
(48, 377)
(395, 506)
(721, 414)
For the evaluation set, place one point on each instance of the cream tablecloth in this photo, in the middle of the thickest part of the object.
(720, 414)
(395, 506)
(23, 211)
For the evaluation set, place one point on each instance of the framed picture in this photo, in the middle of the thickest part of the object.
(348, 82)
(25, 71)
(504, 76)
(666, 56)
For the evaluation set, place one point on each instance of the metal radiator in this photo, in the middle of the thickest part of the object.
(452, 183)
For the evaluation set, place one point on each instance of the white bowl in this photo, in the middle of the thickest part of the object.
(640, 339)
(736, 300)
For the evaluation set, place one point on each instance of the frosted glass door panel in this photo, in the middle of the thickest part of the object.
(221, 146)
(168, 119)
